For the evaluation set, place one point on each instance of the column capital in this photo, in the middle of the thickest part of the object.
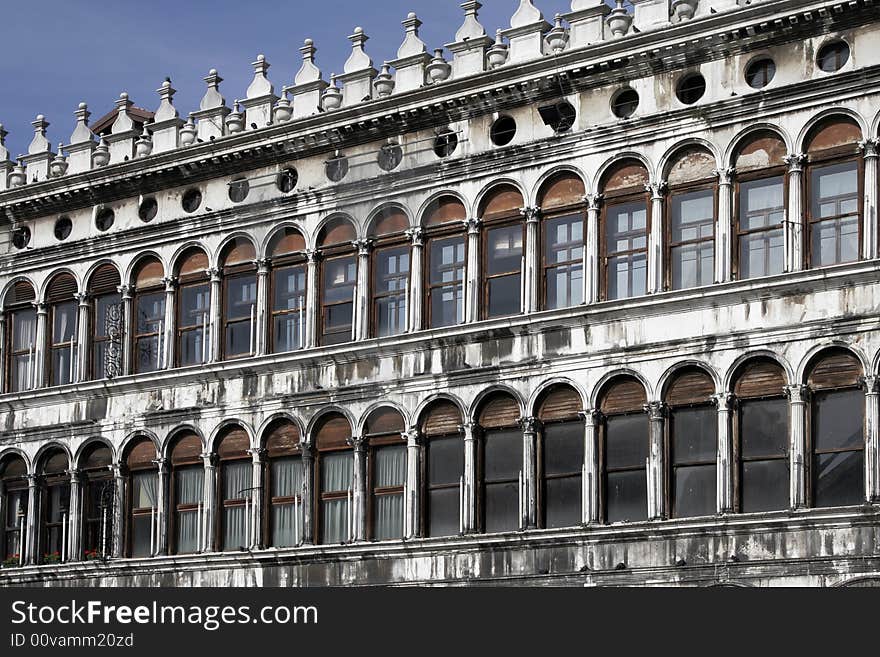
(656, 410)
(32, 480)
(725, 176)
(161, 465)
(657, 189)
(531, 214)
(870, 147)
(82, 298)
(262, 265)
(870, 383)
(529, 424)
(127, 291)
(797, 394)
(472, 225)
(170, 283)
(74, 474)
(209, 459)
(357, 443)
(412, 436)
(258, 454)
(591, 416)
(363, 246)
(215, 274)
(795, 162)
(307, 451)
(468, 429)
(594, 201)
(416, 235)
(41, 307)
(724, 401)
(312, 255)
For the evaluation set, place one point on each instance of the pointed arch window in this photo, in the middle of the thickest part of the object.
(501, 464)
(334, 474)
(624, 227)
(234, 490)
(239, 309)
(98, 491)
(561, 458)
(503, 253)
(55, 505)
(142, 499)
(62, 329)
(387, 474)
(288, 291)
(446, 250)
(338, 281)
(389, 291)
(443, 469)
(193, 309)
(13, 476)
(21, 332)
(106, 317)
(284, 485)
(149, 316)
(187, 495)
(563, 234)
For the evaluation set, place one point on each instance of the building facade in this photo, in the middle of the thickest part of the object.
(588, 303)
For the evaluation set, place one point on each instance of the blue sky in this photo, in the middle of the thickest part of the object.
(84, 50)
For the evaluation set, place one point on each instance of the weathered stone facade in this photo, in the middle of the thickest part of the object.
(798, 317)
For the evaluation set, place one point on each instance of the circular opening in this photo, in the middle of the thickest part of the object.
(192, 199)
(148, 209)
(760, 73)
(63, 227)
(104, 219)
(286, 180)
(390, 157)
(445, 143)
(503, 131)
(238, 190)
(21, 237)
(833, 56)
(625, 103)
(691, 88)
(337, 168)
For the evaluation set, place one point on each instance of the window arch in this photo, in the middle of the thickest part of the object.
(503, 237)
(446, 250)
(762, 437)
(61, 330)
(288, 291)
(500, 463)
(142, 500)
(692, 209)
(106, 307)
(623, 447)
(334, 474)
(691, 444)
(234, 489)
(284, 485)
(760, 202)
(193, 304)
(561, 457)
(338, 281)
(13, 479)
(440, 425)
(21, 331)
(389, 288)
(149, 310)
(837, 430)
(187, 494)
(239, 307)
(386, 473)
(97, 494)
(624, 229)
(834, 192)
(563, 233)
(54, 481)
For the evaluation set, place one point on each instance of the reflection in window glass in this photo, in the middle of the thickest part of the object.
(390, 283)
(446, 291)
(240, 315)
(61, 346)
(149, 323)
(834, 221)
(626, 250)
(23, 365)
(504, 263)
(288, 308)
(692, 223)
(194, 321)
(563, 262)
(338, 299)
(336, 480)
(563, 456)
(761, 213)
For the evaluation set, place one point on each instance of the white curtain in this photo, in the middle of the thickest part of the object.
(143, 489)
(336, 476)
(286, 481)
(237, 479)
(390, 471)
(190, 483)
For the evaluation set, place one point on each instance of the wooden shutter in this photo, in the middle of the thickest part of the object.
(625, 395)
(834, 134)
(56, 463)
(337, 231)
(444, 210)
(286, 242)
(105, 280)
(21, 292)
(385, 420)
(96, 456)
(239, 252)
(835, 370)
(194, 263)
(762, 378)
(763, 151)
(141, 455)
(282, 439)
(333, 433)
(561, 403)
(149, 274)
(234, 444)
(690, 165)
(564, 190)
(62, 288)
(504, 201)
(499, 411)
(187, 450)
(389, 222)
(442, 418)
(14, 468)
(693, 386)
(628, 176)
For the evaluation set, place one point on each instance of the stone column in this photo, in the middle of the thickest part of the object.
(592, 271)
(215, 320)
(724, 234)
(870, 229)
(33, 515)
(41, 339)
(263, 307)
(872, 439)
(83, 339)
(118, 511)
(312, 295)
(416, 285)
(413, 485)
(531, 276)
(724, 465)
(469, 521)
(656, 501)
(472, 272)
(359, 488)
(308, 462)
(529, 492)
(655, 238)
(797, 396)
(169, 331)
(2, 351)
(162, 510)
(129, 328)
(209, 517)
(591, 471)
(362, 308)
(794, 225)
(255, 540)
(74, 516)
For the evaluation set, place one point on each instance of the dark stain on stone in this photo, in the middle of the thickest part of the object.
(96, 408)
(557, 340)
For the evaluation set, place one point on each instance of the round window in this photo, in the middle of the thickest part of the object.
(337, 168)
(445, 144)
(833, 56)
(286, 180)
(104, 219)
(691, 88)
(625, 103)
(760, 73)
(21, 237)
(390, 157)
(238, 190)
(503, 131)
(192, 199)
(148, 209)
(63, 228)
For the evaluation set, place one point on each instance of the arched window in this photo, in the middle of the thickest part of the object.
(624, 451)
(55, 505)
(691, 208)
(444, 469)
(760, 206)
(834, 193)
(13, 477)
(288, 291)
(501, 461)
(106, 315)
(234, 488)
(837, 430)
(193, 309)
(387, 473)
(60, 297)
(564, 230)
(692, 444)
(239, 311)
(21, 332)
(446, 250)
(149, 316)
(98, 493)
(502, 265)
(561, 457)
(624, 228)
(284, 485)
(143, 500)
(338, 281)
(389, 291)
(187, 494)
(334, 473)
(762, 437)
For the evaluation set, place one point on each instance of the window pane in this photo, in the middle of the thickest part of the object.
(241, 299)
(626, 441)
(336, 471)
(565, 286)
(627, 276)
(838, 420)
(839, 479)
(763, 427)
(140, 536)
(143, 489)
(334, 521)
(340, 276)
(835, 191)
(234, 531)
(694, 434)
(502, 507)
(390, 282)
(147, 354)
(193, 349)
(626, 496)
(504, 249)
(447, 305)
(389, 468)
(189, 485)
(238, 338)
(63, 322)
(563, 502)
(447, 264)
(761, 203)
(24, 329)
(289, 286)
(443, 512)
(150, 312)
(286, 527)
(503, 454)
(693, 265)
(764, 486)
(626, 228)
(195, 304)
(445, 462)
(504, 295)
(694, 491)
(61, 366)
(102, 307)
(388, 516)
(563, 448)
(693, 216)
(761, 254)
(286, 477)
(289, 331)
(237, 479)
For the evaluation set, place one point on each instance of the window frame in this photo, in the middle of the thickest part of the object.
(176, 508)
(270, 502)
(91, 477)
(133, 512)
(336, 252)
(94, 339)
(540, 463)
(374, 443)
(10, 354)
(683, 189)
(231, 503)
(194, 280)
(739, 232)
(230, 273)
(740, 460)
(14, 485)
(571, 210)
(449, 231)
(427, 487)
(388, 243)
(287, 261)
(627, 196)
(602, 427)
(160, 335)
(505, 221)
(48, 482)
(320, 496)
(56, 347)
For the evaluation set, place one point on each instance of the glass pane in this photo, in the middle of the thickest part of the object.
(563, 448)
(195, 304)
(340, 276)
(761, 254)
(391, 280)
(445, 462)
(286, 477)
(238, 338)
(693, 216)
(504, 249)
(150, 310)
(389, 468)
(187, 531)
(626, 228)
(761, 203)
(143, 489)
(565, 286)
(140, 536)
(505, 295)
(336, 471)
(694, 434)
(838, 420)
(193, 348)
(839, 479)
(626, 441)
(627, 276)
(24, 331)
(447, 260)
(391, 315)
(502, 507)
(339, 317)
(189, 485)
(334, 521)
(694, 491)
(102, 306)
(234, 530)
(443, 512)
(62, 366)
(503, 454)
(237, 479)
(764, 486)
(289, 332)
(693, 265)
(763, 427)
(626, 496)
(289, 285)
(57, 502)
(147, 354)
(564, 239)
(241, 297)
(447, 305)
(563, 502)
(388, 517)
(63, 322)
(287, 523)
